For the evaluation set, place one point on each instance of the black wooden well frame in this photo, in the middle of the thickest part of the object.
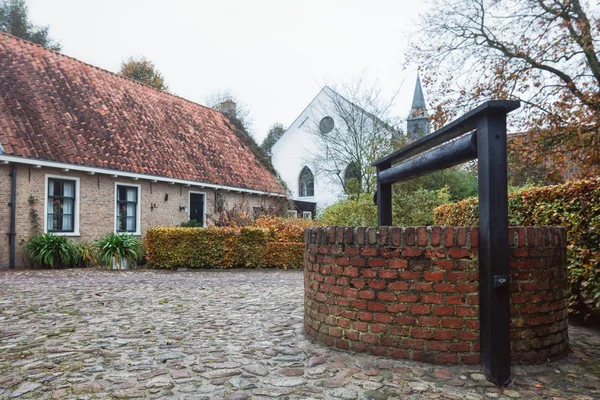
(487, 144)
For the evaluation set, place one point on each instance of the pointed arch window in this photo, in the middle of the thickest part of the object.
(306, 183)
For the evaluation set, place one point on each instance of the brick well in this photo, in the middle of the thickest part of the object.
(413, 292)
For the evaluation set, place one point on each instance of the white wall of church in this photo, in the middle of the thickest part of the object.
(297, 148)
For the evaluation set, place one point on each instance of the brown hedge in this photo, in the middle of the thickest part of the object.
(220, 247)
(575, 205)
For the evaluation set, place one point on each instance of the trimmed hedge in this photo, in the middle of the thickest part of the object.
(272, 242)
(575, 205)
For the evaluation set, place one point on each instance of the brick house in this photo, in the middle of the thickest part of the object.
(84, 152)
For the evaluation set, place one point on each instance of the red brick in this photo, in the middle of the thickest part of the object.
(466, 312)
(365, 316)
(435, 253)
(366, 294)
(421, 287)
(358, 283)
(437, 346)
(396, 234)
(444, 288)
(342, 344)
(409, 275)
(388, 274)
(435, 235)
(359, 304)
(456, 253)
(357, 262)
(455, 276)
(449, 237)
(443, 311)
(408, 298)
(379, 285)
(352, 293)
(421, 237)
(398, 286)
(461, 238)
(351, 271)
(385, 318)
(368, 273)
(378, 328)
(474, 237)
(444, 264)
(466, 335)
(420, 309)
(421, 333)
(397, 263)
(472, 324)
(375, 306)
(432, 298)
(385, 296)
(454, 323)
(377, 262)
(405, 320)
(412, 252)
(369, 338)
(428, 321)
(343, 323)
(467, 287)
(409, 236)
(445, 358)
(341, 261)
(335, 332)
(455, 299)
(470, 359)
(389, 341)
(361, 326)
(369, 251)
(396, 308)
(460, 347)
(444, 334)
(399, 353)
(415, 344)
(433, 275)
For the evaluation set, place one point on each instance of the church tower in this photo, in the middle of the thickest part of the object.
(417, 124)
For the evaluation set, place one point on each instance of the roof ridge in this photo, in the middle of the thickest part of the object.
(107, 71)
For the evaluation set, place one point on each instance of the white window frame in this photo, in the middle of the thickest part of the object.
(76, 206)
(138, 214)
(292, 214)
(190, 205)
(307, 214)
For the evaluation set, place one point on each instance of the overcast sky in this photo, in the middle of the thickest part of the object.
(274, 55)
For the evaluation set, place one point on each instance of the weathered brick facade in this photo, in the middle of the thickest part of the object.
(97, 205)
(413, 292)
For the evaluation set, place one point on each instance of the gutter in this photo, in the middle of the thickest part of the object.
(13, 215)
(4, 158)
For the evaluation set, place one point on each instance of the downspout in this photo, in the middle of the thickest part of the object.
(13, 215)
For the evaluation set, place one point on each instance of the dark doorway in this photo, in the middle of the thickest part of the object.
(197, 202)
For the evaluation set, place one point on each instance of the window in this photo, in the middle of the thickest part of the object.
(307, 183)
(292, 214)
(326, 125)
(306, 214)
(62, 208)
(127, 212)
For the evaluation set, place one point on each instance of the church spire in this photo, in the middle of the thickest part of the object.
(417, 124)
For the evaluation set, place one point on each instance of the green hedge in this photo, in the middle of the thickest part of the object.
(220, 247)
(575, 205)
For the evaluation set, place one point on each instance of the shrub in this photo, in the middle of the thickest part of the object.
(85, 254)
(271, 242)
(575, 205)
(51, 250)
(359, 211)
(114, 248)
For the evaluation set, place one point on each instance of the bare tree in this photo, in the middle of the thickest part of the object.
(353, 130)
(541, 52)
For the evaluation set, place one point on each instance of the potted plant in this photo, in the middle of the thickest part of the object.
(118, 250)
(85, 254)
(51, 250)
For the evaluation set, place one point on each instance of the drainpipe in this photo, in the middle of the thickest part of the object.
(13, 215)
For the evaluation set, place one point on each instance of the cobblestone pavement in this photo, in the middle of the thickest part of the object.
(86, 334)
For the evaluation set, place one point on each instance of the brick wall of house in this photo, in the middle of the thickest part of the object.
(97, 205)
(413, 292)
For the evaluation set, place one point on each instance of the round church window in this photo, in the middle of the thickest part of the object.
(326, 125)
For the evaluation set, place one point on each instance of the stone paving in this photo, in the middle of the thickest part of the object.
(93, 334)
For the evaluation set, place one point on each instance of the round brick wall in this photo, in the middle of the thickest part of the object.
(413, 292)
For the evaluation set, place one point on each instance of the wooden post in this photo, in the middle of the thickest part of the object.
(494, 272)
(384, 199)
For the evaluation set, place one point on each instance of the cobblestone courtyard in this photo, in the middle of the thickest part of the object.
(87, 334)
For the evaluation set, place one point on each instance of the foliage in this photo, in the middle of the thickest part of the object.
(192, 224)
(242, 110)
(358, 211)
(361, 133)
(271, 242)
(14, 20)
(114, 247)
(543, 53)
(143, 70)
(86, 253)
(575, 205)
(416, 207)
(275, 132)
(48, 249)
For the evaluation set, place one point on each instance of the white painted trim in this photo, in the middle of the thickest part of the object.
(307, 214)
(5, 159)
(305, 198)
(292, 214)
(190, 205)
(76, 205)
(138, 213)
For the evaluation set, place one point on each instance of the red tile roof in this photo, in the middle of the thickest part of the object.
(56, 108)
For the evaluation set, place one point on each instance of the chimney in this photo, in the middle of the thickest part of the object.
(227, 107)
